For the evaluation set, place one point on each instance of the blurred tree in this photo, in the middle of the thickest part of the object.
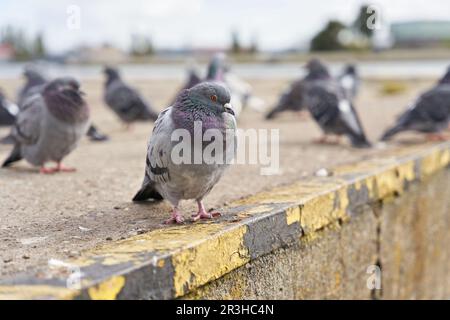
(362, 21)
(39, 46)
(141, 45)
(235, 43)
(253, 46)
(24, 49)
(327, 39)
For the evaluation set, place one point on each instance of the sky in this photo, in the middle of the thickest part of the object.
(276, 24)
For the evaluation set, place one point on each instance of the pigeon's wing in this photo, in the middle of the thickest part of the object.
(159, 148)
(158, 153)
(322, 102)
(27, 128)
(127, 103)
(349, 116)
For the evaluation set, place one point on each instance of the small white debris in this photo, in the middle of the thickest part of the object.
(323, 172)
(84, 229)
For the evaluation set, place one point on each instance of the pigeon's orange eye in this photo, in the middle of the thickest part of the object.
(213, 98)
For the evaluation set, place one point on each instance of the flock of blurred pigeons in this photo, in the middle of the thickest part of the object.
(328, 99)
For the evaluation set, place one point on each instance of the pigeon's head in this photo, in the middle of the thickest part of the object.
(33, 75)
(350, 69)
(111, 73)
(217, 67)
(64, 85)
(316, 69)
(213, 95)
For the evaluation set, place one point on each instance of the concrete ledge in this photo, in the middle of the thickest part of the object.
(173, 262)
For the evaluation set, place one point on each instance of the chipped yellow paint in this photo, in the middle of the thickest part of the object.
(209, 259)
(36, 292)
(293, 215)
(107, 290)
(434, 162)
(320, 211)
(254, 211)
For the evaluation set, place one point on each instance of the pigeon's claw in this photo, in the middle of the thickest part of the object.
(436, 137)
(202, 214)
(45, 170)
(176, 217)
(61, 168)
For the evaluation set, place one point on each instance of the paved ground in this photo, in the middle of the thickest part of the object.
(57, 216)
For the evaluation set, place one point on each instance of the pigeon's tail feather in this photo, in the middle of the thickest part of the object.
(14, 156)
(95, 135)
(149, 115)
(391, 132)
(147, 192)
(360, 141)
(9, 139)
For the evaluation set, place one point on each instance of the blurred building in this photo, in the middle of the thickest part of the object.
(421, 34)
(102, 54)
(6, 52)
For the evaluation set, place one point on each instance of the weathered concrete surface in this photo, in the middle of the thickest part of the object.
(312, 239)
(407, 236)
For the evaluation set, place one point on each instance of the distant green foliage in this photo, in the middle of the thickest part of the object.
(235, 43)
(327, 39)
(24, 47)
(141, 46)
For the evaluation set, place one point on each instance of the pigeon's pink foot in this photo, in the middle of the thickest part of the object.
(45, 170)
(436, 137)
(177, 217)
(321, 140)
(61, 168)
(202, 214)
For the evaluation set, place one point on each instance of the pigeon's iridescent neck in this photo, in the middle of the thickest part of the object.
(67, 106)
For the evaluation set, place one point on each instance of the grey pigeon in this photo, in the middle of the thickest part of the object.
(329, 106)
(34, 83)
(49, 125)
(124, 100)
(290, 99)
(430, 113)
(8, 111)
(350, 81)
(192, 80)
(167, 178)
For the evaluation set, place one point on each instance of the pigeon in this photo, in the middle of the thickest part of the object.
(349, 80)
(8, 111)
(49, 125)
(192, 80)
(329, 106)
(430, 113)
(167, 178)
(34, 83)
(124, 100)
(290, 99)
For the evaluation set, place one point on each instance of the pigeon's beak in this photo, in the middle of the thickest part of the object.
(82, 93)
(228, 108)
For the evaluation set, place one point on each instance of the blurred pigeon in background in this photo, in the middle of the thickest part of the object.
(291, 99)
(328, 104)
(192, 80)
(430, 113)
(125, 101)
(35, 82)
(207, 102)
(8, 111)
(49, 125)
(350, 81)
